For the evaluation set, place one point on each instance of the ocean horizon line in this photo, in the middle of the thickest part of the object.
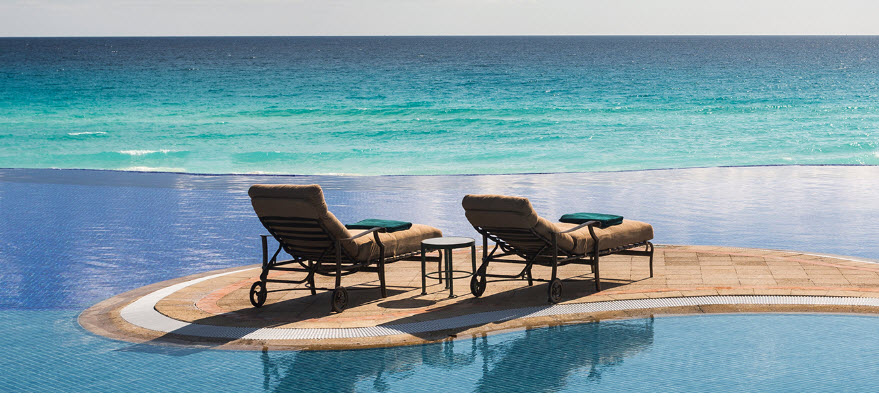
(133, 171)
(446, 36)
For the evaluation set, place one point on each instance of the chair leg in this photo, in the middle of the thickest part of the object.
(554, 292)
(264, 274)
(381, 277)
(265, 261)
(310, 279)
(338, 265)
(482, 268)
(555, 257)
(473, 256)
(596, 271)
(479, 280)
(554, 270)
(650, 247)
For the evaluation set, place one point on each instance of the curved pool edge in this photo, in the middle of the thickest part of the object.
(134, 316)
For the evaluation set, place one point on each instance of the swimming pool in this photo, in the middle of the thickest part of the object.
(715, 353)
(69, 239)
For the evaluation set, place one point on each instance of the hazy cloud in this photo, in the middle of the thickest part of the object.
(433, 17)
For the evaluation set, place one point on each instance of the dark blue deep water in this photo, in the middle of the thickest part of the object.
(82, 236)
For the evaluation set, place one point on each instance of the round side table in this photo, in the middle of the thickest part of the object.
(446, 244)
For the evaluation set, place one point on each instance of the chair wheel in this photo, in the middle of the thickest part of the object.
(555, 291)
(258, 293)
(340, 299)
(477, 285)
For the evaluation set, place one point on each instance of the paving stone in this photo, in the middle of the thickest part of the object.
(680, 272)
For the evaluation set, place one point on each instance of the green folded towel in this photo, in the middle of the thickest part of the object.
(391, 226)
(604, 220)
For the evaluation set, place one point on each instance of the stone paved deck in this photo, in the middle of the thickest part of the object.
(679, 271)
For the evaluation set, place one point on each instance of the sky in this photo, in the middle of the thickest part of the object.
(435, 17)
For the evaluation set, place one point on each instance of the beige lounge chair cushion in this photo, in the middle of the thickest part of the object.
(396, 243)
(628, 232)
(307, 201)
(301, 201)
(488, 211)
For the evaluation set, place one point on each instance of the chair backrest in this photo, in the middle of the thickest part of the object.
(297, 216)
(509, 220)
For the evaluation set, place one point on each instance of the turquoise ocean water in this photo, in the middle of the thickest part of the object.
(436, 105)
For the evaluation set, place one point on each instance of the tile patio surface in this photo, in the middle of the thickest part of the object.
(215, 311)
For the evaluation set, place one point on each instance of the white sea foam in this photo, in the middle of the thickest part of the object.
(144, 152)
(154, 169)
(87, 133)
(876, 154)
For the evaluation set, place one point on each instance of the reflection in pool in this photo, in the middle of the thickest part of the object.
(713, 353)
(44, 351)
(534, 360)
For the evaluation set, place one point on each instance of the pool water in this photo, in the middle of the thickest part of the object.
(69, 239)
(711, 353)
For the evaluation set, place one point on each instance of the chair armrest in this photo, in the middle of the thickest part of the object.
(375, 230)
(582, 225)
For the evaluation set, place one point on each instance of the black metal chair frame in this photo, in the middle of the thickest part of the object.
(545, 255)
(312, 260)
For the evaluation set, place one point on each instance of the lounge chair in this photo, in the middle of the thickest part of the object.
(516, 229)
(298, 218)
